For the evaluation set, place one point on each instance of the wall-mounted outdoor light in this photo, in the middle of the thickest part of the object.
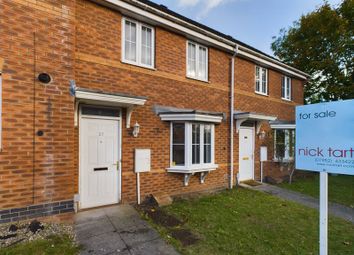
(136, 129)
(262, 135)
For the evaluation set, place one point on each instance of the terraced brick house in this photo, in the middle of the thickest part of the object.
(94, 91)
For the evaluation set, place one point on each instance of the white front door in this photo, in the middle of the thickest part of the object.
(99, 155)
(246, 154)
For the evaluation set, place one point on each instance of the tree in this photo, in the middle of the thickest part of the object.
(321, 44)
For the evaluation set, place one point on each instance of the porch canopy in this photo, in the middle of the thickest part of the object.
(182, 114)
(97, 97)
(282, 124)
(258, 118)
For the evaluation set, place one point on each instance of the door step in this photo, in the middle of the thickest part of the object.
(252, 183)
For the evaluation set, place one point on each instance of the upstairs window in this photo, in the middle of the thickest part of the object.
(261, 80)
(284, 144)
(197, 61)
(138, 43)
(286, 88)
(192, 145)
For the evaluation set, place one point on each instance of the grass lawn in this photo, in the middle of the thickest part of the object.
(250, 222)
(55, 245)
(341, 188)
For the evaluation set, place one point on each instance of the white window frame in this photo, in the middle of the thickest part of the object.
(287, 157)
(197, 47)
(261, 69)
(139, 26)
(188, 166)
(285, 83)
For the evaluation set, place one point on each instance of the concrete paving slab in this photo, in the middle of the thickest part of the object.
(138, 234)
(93, 228)
(155, 247)
(118, 230)
(103, 244)
(124, 223)
(89, 216)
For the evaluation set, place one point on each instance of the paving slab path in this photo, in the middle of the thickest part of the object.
(334, 209)
(118, 230)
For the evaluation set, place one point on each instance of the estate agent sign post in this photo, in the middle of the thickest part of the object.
(325, 144)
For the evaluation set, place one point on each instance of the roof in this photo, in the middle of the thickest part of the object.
(165, 9)
(253, 116)
(161, 15)
(160, 110)
(283, 124)
(110, 93)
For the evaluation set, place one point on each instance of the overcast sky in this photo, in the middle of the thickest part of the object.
(254, 22)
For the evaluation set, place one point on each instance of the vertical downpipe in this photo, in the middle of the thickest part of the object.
(232, 117)
(34, 118)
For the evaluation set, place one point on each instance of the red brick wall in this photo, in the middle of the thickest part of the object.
(53, 23)
(167, 85)
(247, 100)
(90, 53)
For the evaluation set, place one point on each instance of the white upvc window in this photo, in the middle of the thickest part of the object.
(197, 61)
(286, 88)
(192, 145)
(284, 144)
(261, 80)
(138, 42)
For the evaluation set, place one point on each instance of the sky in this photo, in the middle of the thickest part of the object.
(254, 22)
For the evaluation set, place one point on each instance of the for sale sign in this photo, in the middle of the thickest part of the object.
(325, 137)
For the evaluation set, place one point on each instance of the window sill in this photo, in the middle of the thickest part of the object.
(261, 94)
(287, 100)
(192, 170)
(196, 79)
(137, 65)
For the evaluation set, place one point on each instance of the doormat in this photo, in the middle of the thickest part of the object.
(251, 183)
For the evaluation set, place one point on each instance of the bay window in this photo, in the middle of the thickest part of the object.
(261, 80)
(197, 61)
(284, 144)
(138, 43)
(192, 146)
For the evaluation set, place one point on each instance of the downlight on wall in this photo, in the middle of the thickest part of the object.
(136, 129)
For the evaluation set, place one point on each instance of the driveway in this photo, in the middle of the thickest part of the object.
(118, 230)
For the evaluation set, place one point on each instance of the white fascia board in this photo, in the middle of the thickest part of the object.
(252, 116)
(205, 35)
(84, 95)
(283, 126)
(191, 117)
(270, 62)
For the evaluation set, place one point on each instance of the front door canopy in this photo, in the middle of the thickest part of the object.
(259, 118)
(181, 114)
(108, 99)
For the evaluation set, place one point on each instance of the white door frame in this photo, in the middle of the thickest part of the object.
(253, 147)
(119, 119)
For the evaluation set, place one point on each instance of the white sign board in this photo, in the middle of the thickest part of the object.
(325, 137)
(142, 160)
(264, 153)
(325, 144)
